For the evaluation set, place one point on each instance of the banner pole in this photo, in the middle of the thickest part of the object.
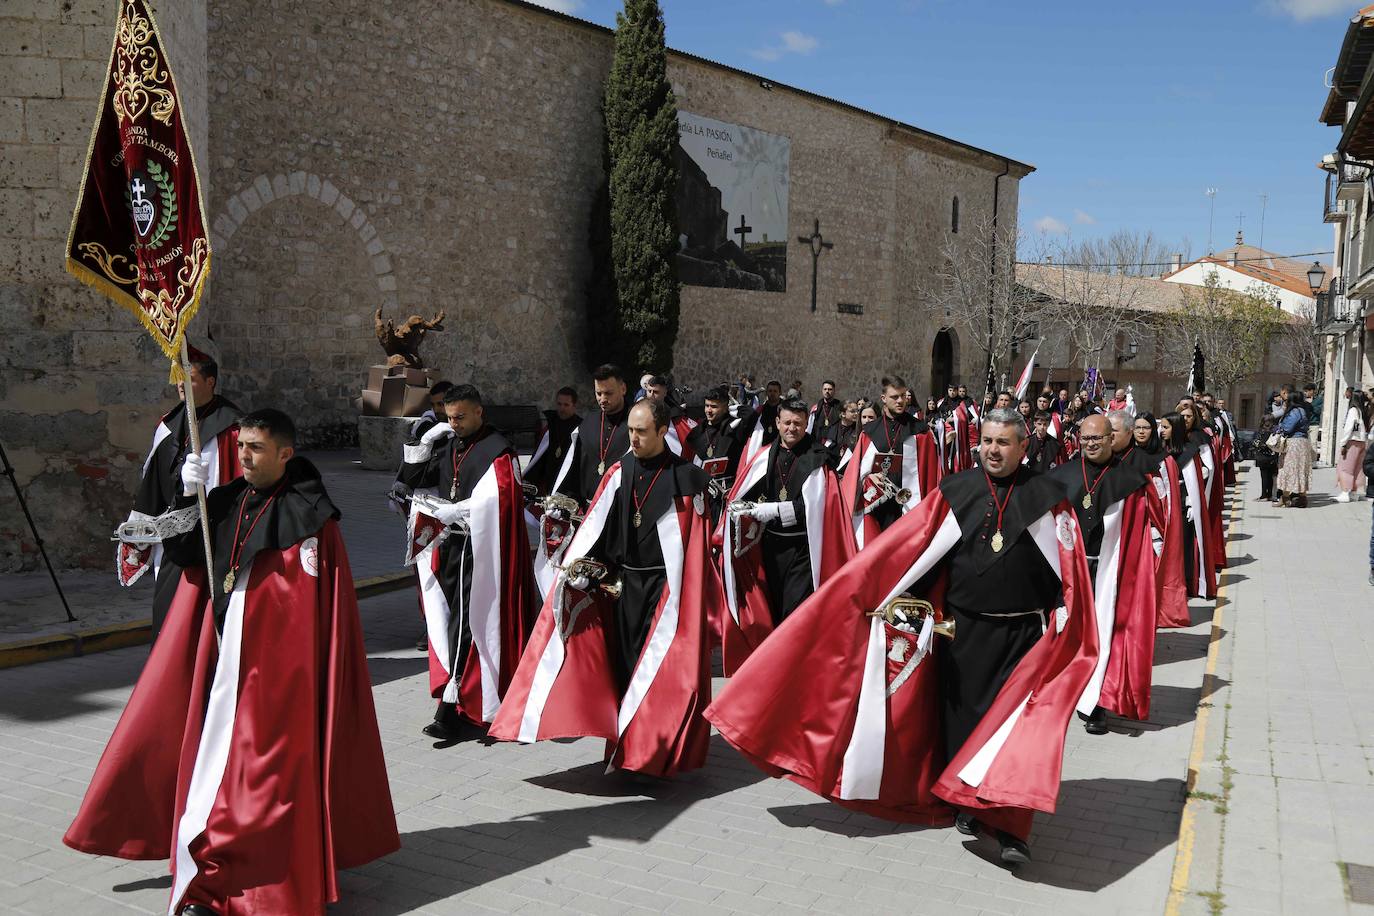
(193, 427)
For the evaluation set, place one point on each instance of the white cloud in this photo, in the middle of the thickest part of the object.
(792, 42)
(1302, 10)
(1050, 226)
(1083, 219)
(560, 6)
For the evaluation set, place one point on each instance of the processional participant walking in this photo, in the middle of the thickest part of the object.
(159, 489)
(621, 648)
(466, 538)
(1199, 572)
(895, 464)
(1118, 510)
(598, 442)
(857, 701)
(784, 534)
(249, 753)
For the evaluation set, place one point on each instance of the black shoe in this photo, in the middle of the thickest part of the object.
(966, 823)
(1096, 724)
(196, 909)
(422, 644)
(1014, 852)
(438, 731)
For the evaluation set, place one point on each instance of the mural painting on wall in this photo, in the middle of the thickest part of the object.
(732, 205)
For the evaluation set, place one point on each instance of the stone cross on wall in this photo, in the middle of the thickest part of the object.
(818, 244)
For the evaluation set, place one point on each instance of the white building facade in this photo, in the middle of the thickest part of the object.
(1343, 315)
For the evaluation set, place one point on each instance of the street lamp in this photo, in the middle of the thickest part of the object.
(1316, 275)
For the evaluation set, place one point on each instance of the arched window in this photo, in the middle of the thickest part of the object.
(954, 215)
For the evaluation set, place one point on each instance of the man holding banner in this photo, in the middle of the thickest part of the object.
(249, 752)
(153, 510)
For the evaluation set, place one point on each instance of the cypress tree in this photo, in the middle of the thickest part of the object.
(642, 135)
(602, 306)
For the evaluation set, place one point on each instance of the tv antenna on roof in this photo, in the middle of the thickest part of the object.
(1212, 196)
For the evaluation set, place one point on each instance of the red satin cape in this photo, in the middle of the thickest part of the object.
(304, 791)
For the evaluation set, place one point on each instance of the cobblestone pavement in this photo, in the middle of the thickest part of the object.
(1289, 776)
(537, 829)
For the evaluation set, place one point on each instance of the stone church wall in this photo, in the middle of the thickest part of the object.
(414, 158)
(374, 159)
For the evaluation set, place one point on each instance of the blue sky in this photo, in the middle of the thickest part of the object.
(1129, 111)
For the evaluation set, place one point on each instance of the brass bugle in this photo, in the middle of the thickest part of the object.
(890, 491)
(565, 503)
(597, 572)
(913, 611)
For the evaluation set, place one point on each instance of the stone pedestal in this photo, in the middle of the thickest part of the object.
(381, 438)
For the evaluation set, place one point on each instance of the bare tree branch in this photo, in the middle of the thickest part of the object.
(1095, 307)
(973, 291)
(1234, 329)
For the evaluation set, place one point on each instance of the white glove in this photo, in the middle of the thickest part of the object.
(194, 472)
(446, 512)
(581, 583)
(436, 432)
(766, 512)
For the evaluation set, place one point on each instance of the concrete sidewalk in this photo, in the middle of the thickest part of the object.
(1285, 792)
(507, 828)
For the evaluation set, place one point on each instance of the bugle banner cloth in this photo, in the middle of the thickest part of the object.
(138, 234)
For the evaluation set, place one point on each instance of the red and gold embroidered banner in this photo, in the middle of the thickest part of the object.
(138, 234)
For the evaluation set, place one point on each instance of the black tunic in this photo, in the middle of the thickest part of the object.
(889, 434)
(1017, 580)
(602, 439)
(786, 550)
(1043, 453)
(767, 416)
(1190, 570)
(544, 472)
(826, 414)
(726, 439)
(1118, 479)
(843, 437)
(160, 488)
(635, 552)
(472, 458)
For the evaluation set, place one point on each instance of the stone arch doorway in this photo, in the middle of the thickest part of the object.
(943, 362)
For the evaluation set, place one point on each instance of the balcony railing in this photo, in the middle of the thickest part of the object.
(1352, 176)
(1334, 208)
(1336, 314)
